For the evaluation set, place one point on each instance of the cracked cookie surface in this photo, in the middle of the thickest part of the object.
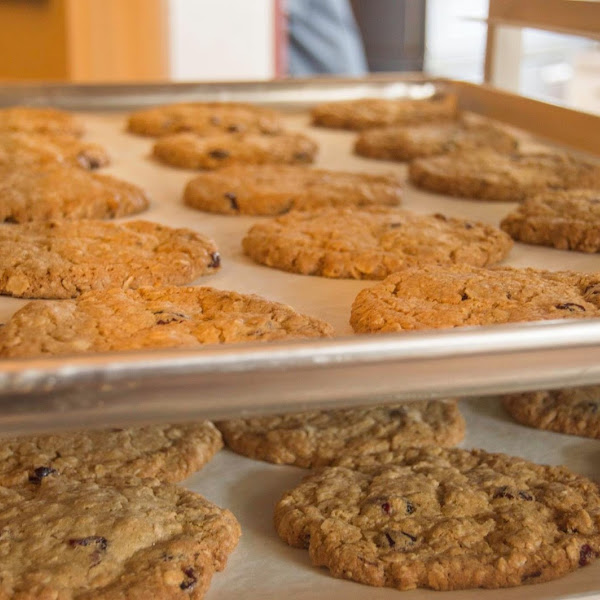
(160, 317)
(123, 539)
(318, 438)
(432, 297)
(573, 410)
(165, 452)
(62, 259)
(490, 175)
(410, 142)
(370, 243)
(276, 189)
(568, 220)
(190, 151)
(204, 118)
(36, 192)
(444, 519)
(365, 113)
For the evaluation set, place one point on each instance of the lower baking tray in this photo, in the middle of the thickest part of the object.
(53, 393)
(264, 568)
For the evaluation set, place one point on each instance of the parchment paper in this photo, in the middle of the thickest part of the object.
(263, 567)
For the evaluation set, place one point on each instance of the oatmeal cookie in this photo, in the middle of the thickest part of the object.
(204, 118)
(432, 297)
(276, 189)
(62, 259)
(122, 539)
(190, 151)
(320, 437)
(366, 113)
(491, 175)
(444, 519)
(165, 452)
(56, 191)
(45, 120)
(370, 243)
(574, 410)
(404, 143)
(158, 317)
(568, 220)
(19, 147)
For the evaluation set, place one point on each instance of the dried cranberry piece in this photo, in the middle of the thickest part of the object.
(40, 473)
(532, 575)
(592, 290)
(219, 153)
(585, 555)
(87, 161)
(526, 496)
(504, 493)
(101, 542)
(571, 307)
(215, 260)
(232, 199)
(190, 581)
(170, 317)
(386, 507)
(392, 537)
(302, 156)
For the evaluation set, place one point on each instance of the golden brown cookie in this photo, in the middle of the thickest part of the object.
(159, 317)
(124, 539)
(204, 118)
(276, 189)
(56, 191)
(39, 120)
(366, 113)
(318, 438)
(190, 151)
(444, 519)
(62, 259)
(20, 147)
(432, 297)
(370, 243)
(405, 143)
(165, 452)
(491, 175)
(568, 220)
(573, 410)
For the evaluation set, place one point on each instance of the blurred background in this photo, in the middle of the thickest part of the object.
(196, 40)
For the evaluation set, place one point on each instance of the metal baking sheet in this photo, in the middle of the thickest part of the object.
(219, 381)
(81, 391)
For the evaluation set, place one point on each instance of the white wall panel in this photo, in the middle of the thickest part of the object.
(221, 39)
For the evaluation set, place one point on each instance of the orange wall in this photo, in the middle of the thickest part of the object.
(118, 40)
(33, 39)
(84, 40)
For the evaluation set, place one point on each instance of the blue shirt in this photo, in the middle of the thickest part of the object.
(324, 38)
